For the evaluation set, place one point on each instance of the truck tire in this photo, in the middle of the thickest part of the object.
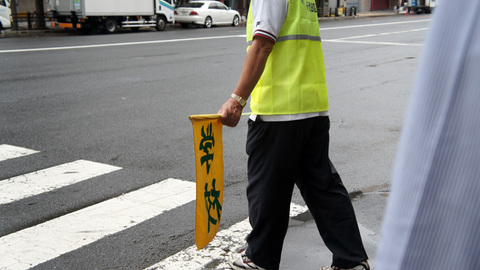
(161, 23)
(110, 25)
(86, 29)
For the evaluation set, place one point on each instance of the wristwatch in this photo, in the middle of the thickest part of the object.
(240, 100)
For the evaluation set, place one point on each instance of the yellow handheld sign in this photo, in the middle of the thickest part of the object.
(207, 137)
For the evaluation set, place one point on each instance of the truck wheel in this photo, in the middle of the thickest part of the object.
(208, 22)
(161, 24)
(236, 20)
(85, 30)
(110, 25)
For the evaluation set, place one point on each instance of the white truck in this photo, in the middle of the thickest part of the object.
(5, 20)
(420, 6)
(107, 15)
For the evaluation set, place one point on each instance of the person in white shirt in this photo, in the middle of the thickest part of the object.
(432, 220)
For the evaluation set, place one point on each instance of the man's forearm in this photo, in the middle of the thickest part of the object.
(253, 67)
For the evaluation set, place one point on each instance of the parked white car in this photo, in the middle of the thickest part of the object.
(206, 13)
(5, 19)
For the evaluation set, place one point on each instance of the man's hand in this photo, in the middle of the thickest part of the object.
(231, 111)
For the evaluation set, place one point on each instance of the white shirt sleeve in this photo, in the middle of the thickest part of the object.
(268, 17)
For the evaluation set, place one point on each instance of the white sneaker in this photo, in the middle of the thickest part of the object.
(361, 266)
(240, 261)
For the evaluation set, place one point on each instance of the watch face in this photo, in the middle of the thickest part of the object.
(239, 99)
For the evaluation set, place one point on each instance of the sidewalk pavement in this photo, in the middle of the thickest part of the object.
(305, 250)
(24, 32)
(377, 13)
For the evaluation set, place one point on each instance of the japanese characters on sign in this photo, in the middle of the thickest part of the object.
(207, 132)
(211, 195)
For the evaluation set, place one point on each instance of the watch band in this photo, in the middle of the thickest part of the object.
(240, 100)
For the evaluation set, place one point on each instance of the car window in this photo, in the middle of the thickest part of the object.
(194, 5)
(222, 6)
(2, 2)
(168, 1)
(213, 6)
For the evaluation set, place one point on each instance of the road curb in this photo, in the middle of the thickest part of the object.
(358, 16)
(26, 33)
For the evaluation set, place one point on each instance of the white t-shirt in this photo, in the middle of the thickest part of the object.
(268, 18)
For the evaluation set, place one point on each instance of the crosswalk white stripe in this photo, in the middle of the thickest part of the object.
(23, 186)
(46, 241)
(216, 252)
(10, 151)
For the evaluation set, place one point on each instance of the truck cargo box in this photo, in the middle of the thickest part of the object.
(104, 7)
(116, 7)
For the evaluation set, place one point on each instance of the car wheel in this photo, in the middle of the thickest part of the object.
(236, 20)
(161, 24)
(208, 22)
(110, 26)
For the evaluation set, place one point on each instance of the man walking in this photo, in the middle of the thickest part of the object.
(288, 136)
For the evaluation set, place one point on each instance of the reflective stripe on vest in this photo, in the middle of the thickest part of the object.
(294, 77)
(292, 37)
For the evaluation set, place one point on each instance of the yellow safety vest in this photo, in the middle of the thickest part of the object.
(294, 80)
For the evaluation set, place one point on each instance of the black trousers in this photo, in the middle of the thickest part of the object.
(280, 155)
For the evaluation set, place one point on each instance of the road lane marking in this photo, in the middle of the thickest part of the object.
(23, 186)
(32, 246)
(215, 254)
(373, 24)
(117, 44)
(11, 151)
(373, 42)
(349, 39)
(384, 34)
(188, 39)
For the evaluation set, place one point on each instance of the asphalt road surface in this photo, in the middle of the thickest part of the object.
(91, 125)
